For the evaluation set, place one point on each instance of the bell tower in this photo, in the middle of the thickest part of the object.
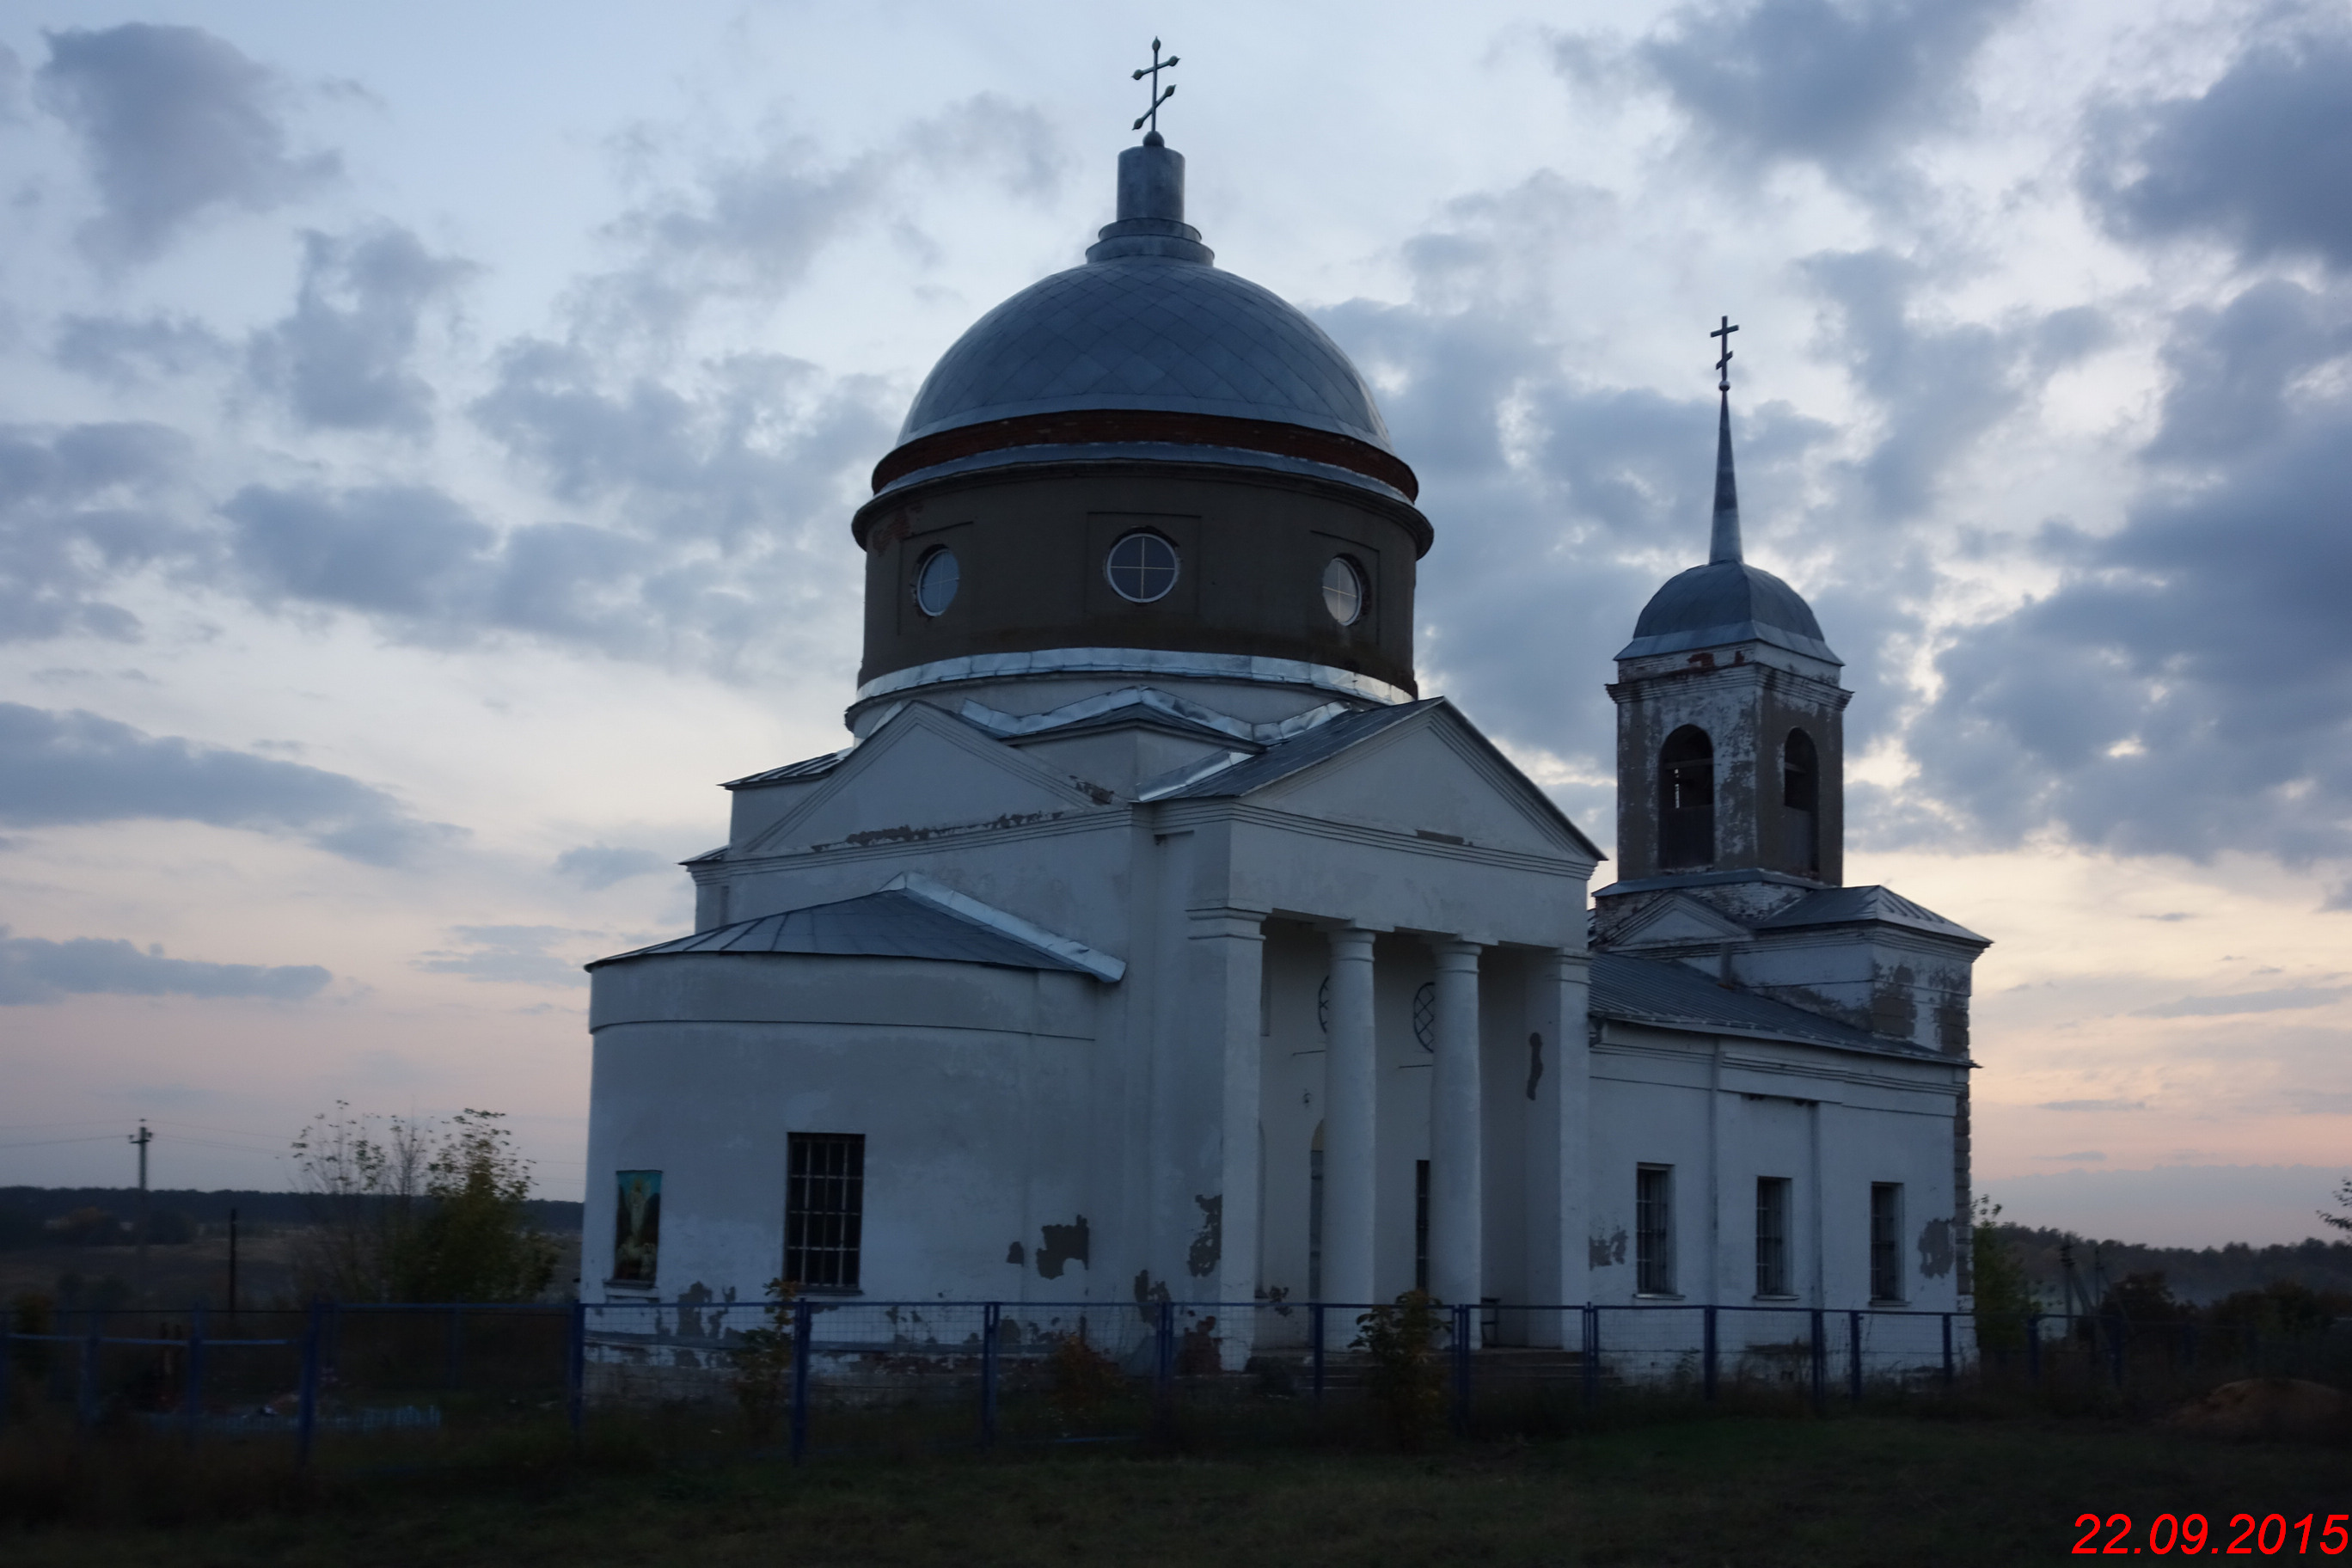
(1730, 729)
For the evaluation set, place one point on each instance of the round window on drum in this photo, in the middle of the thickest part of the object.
(1141, 568)
(936, 581)
(1343, 590)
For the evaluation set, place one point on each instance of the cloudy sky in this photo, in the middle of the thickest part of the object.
(428, 436)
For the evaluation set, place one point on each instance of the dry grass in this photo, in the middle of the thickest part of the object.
(1687, 1490)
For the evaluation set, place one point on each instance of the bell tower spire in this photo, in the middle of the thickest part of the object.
(1725, 544)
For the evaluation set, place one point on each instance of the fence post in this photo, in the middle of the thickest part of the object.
(1315, 1341)
(191, 1391)
(802, 1317)
(306, 1416)
(88, 1403)
(1948, 1350)
(1707, 1355)
(1853, 1354)
(1592, 1356)
(2033, 1347)
(990, 1316)
(1463, 1326)
(575, 1369)
(1820, 1358)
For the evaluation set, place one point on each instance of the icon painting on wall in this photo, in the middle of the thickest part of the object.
(636, 1240)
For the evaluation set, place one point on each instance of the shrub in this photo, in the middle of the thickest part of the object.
(1083, 1379)
(1406, 1378)
(762, 1376)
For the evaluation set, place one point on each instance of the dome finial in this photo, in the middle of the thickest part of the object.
(1725, 544)
(1152, 115)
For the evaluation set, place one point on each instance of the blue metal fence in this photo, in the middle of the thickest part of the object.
(985, 1372)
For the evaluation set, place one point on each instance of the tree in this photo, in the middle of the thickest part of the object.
(2003, 1297)
(476, 1241)
(412, 1213)
(2343, 1200)
(363, 1190)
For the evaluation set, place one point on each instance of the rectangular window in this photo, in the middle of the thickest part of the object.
(1654, 1230)
(636, 1228)
(824, 1205)
(1772, 1235)
(1421, 1225)
(1886, 1241)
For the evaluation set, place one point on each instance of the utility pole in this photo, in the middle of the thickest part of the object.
(143, 1140)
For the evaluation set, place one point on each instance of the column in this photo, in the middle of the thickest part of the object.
(1351, 1098)
(1456, 1213)
(1558, 1146)
(1227, 957)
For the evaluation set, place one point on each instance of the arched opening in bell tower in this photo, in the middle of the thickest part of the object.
(1687, 800)
(1801, 802)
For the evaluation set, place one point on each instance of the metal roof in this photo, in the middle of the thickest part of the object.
(1327, 738)
(1727, 602)
(895, 923)
(813, 767)
(1674, 995)
(1150, 332)
(1242, 775)
(1849, 906)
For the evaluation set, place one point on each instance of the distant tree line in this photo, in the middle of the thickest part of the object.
(106, 1217)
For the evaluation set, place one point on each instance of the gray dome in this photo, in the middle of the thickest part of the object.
(1149, 333)
(1726, 601)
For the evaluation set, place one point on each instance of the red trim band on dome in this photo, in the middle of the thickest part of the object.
(1087, 426)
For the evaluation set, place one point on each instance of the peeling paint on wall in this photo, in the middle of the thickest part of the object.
(1210, 1245)
(1146, 1290)
(1064, 1243)
(1012, 1254)
(1607, 1251)
(1935, 1249)
(1535, 1063)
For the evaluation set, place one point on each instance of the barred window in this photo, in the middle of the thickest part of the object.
(1654, 1230)
(1772, 1235)
(1886, 1241)
(824, 1206)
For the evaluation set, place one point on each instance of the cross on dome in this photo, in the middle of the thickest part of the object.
(1152, 115)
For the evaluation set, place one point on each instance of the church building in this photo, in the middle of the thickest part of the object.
(1157, 937)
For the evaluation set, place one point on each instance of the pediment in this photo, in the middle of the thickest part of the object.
(1434, 776)
(921, 773)
(1679, 920)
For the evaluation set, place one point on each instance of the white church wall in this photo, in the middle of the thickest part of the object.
(962, 1078)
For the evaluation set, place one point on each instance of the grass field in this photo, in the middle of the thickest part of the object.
(1686, 1490)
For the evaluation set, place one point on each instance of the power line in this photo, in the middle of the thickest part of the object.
(52, 1143)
